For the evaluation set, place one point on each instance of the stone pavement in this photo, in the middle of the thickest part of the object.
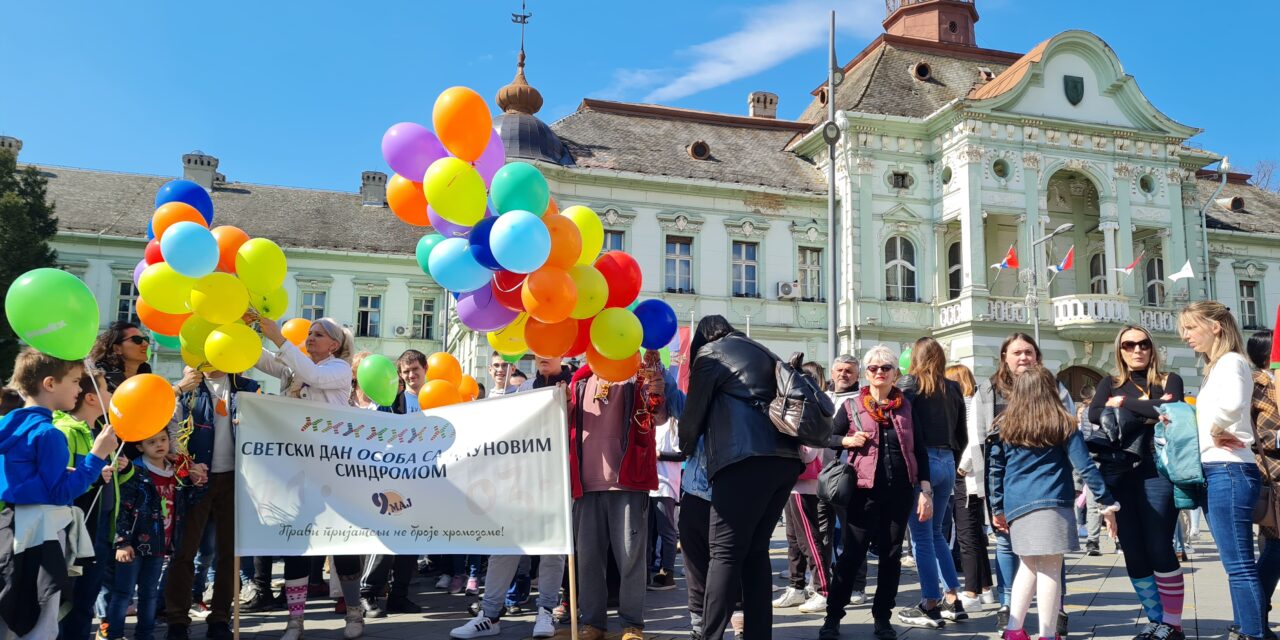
(1100, 601)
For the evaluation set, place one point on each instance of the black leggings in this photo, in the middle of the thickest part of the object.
(298, 567)
(876, 515)
(1146, 519)
(695, 527)
(972, 538)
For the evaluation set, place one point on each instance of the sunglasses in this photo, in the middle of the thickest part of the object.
(881, 368)
(138, 340)
(1129, 345)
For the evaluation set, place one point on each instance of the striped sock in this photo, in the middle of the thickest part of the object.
(1150, 597)
(295, 593)
(1171, 588)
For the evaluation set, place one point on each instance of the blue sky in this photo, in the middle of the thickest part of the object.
(298, 94)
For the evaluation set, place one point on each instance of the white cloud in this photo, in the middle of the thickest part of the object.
(627, 82)
(772, 35)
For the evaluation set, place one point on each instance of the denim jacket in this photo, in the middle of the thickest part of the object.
(694, 481)
(140, 521)
(1025, 479)
(199, 404)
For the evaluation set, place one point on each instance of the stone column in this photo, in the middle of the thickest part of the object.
(973, 256)
(1125, 248)
(942, 272)
(1109, 229)
(871, 272)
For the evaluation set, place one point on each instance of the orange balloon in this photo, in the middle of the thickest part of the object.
(469, 389)
(551, 340)
(229, 240)
(407, 201)
(438, 393)
(612, 370)
(462, 122)
(171, 213)
(552, 209)
(549, 294)
(566, 241)
(443, 366)
(165, 324)
(142, 406)
(295, 331)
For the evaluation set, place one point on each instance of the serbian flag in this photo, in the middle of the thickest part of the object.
(1275, 342)
(685, 336)
(1010, 260)
(1067, 262)
(1132, 265)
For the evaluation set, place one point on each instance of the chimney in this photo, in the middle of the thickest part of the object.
(201, 169)
(762, 104)
(11, 144)
(373, 189)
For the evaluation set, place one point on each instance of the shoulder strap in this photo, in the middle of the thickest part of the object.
(857, 410)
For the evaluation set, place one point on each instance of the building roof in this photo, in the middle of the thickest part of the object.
(656, 140)
(1011, 76)
(525, 137)
(1241, 207)
(881, 79)
(121, 204)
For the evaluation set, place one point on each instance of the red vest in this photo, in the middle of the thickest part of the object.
(867, 457)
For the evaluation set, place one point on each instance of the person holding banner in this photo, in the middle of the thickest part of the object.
(323, 374)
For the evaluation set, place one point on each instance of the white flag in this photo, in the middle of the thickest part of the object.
(1183, 273)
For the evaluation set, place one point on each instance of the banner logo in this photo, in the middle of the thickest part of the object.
(391, 502)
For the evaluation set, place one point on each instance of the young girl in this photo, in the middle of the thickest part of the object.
(1032, 493)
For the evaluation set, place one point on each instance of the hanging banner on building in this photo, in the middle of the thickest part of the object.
(486, 477)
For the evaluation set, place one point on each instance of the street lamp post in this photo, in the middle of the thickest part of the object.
(1033, 294)
(1223, 168)
(831, 135)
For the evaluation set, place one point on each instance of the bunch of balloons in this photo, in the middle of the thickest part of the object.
(196, 282)
(445, 385)
(529, 275)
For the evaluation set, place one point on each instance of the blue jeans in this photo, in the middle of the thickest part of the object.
(931, 540)
(1006, 567)
(1268, 572)
(78, 622)
(142, 574)
(1231, 490)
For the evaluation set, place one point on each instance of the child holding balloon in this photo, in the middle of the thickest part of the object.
(38, 489)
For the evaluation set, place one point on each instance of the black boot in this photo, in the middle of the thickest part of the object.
(830, 629)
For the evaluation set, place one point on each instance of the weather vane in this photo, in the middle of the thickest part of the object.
(522, 19)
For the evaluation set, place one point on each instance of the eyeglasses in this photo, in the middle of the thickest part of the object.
(138, 340)
(880, 368)
(1129, 345)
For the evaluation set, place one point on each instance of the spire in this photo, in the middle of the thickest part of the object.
(520, 96)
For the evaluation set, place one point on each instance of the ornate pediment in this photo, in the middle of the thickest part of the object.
(746, 227)
(680, 222)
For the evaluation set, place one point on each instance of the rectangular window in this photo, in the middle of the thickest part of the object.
(424, 319)
(745, 268)
(369, 316)
(679, 265)
(312, 307)
(1249, 304)
(613, 241)
(127, 304)
(810, 271)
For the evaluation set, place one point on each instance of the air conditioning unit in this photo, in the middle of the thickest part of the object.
(402, 331)
(789, 290)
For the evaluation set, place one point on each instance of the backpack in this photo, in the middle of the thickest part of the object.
(1177, 445)
(801, 410)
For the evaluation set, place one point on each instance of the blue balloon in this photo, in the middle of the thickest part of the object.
(188, 192)
(520, 241)
(480, 244)
(453, 266)
(190, 249)
(659, 322)
(151, 232)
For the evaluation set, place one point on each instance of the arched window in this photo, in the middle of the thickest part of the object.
(1097, 274)
(900, 270)
(955, 271)
(1155, 283)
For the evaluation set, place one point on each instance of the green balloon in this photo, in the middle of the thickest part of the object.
(423, 252)
(168, 342)
(665, 354)
(519, 186)
(379, 379)
(513, 359)
(904, 362)
(54, 312)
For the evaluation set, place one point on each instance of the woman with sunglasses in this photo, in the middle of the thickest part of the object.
(1146, 524)
(121, 352)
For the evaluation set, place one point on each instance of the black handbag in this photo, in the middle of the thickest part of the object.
(838, 478)
(1112, 442)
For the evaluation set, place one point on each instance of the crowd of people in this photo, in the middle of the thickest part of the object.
(938, 462)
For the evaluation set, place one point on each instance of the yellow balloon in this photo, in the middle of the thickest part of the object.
(192, 360)
(455, 191)
(219, 298)
(593, 291)
(592, 231)
(616, 333)
(272, 305)
(193, 334)
(233, 348)
(509, 340)
(261, 265)
(165, 289)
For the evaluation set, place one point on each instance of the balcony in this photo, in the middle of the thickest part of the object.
(1090, 317)
(1007, 310)
(1158, 320)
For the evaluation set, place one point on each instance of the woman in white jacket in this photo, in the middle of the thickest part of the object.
(968, 501)
(1231, 473)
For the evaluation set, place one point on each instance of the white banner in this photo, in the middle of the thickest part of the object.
(484, 477)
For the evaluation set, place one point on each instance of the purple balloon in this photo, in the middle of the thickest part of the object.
(480, 311)
(410, 148)
(492, 159)
(446, 228)
(137, 271)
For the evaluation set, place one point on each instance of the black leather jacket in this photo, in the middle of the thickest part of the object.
(730, 386)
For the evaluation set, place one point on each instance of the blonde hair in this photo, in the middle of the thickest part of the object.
(1122, 370)
(928, 365)
(879, 352)
(1206, 314)
(346, 343)
(961, 375)
(1035, 416)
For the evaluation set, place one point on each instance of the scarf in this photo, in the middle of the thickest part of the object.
(879, 411)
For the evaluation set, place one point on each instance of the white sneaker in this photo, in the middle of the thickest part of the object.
(858, 597)
(355, 623)
(816, 604)
(293, 629)
(481, 627)
(970, 604)
(987, 597)
(790, 598)
(545, 625)
(443, 582)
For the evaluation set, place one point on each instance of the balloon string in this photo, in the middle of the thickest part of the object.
(518, 284)
(92, 372)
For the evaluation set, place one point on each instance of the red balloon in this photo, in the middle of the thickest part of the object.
(623, 275)
(506, 289)
(152, 254)
(583, 339)
(550, 340)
